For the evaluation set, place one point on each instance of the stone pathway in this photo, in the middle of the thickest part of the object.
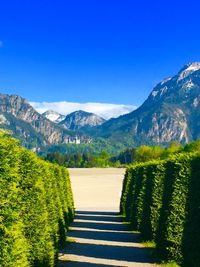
(102, 239)
(98, 237)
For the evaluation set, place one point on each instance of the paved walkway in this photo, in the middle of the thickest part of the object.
(98, 237)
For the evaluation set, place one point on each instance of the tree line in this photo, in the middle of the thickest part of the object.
(129, 156)
(82, 160)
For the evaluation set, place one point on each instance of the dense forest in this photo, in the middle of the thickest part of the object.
(36, 207)
(72, 159)
(161, 199)
(79, 160)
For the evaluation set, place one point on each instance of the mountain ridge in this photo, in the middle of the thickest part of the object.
(81, 119)
(26, 123)
(166, 115)
(53, 116)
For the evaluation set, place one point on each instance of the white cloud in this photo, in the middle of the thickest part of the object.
(104, 110)
(1, 43)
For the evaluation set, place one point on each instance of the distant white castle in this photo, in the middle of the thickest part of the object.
(73, 140)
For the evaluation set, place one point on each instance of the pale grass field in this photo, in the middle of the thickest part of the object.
(97, 188)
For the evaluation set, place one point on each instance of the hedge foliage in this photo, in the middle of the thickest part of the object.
(36, 207)
(162, 200)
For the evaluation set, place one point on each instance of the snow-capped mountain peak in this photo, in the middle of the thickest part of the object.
(53, 116)
(188, 69)
(166, 80)
(79, 119)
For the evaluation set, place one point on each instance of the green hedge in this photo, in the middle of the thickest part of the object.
(191, 239)
(138, 194)
(36, 207)
(164, 204)
(152, 201)
(126, 193)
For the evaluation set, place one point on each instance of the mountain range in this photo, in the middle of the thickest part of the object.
(32, 128)
(171, 112)
(74, 121)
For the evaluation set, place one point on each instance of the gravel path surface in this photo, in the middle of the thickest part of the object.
(98, 237)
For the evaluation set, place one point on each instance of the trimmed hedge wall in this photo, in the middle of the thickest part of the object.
(191, 237)
(164, 204)
(36, 207)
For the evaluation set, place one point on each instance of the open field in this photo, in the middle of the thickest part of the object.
(97, 189)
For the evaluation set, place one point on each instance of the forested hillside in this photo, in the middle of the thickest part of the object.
(36, 207)
(144, 153)
(161, 198)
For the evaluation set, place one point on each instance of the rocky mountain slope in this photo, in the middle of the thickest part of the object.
(171, 112)
(17, 115)
(53, 116)
(80, 119)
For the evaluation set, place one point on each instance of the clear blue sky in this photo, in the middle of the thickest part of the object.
(94, 51)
